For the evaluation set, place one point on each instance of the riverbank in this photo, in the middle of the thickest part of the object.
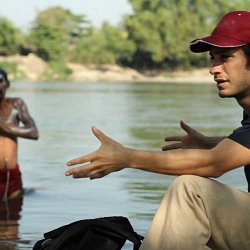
(32, 68)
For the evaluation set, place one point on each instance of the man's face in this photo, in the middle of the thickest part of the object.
(231, 72)
(3, 87)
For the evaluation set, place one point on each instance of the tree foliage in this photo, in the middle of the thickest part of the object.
(156, 35)
(57, 71)
(55, 32)
(162, 29)
(106, 45)
(47, 42)
(72, 26)
(10, 38)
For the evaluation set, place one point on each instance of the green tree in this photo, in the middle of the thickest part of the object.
(162, 29)
(55, 32)
(10, 38)
(106, 45)
(74, 27)
(47, 43)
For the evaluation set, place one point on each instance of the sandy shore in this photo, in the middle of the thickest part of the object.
(32, 69)
(115, 73)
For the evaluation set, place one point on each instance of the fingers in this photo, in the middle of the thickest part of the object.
(91, 176)
(82, 159)
(79, 160)
(98, 134)
(85, 158)
(173, 138)
(185, 127)
(90, 170)
(81, 171)
(172, 146)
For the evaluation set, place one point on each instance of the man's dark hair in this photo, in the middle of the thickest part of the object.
(4, 74)
(246, 50)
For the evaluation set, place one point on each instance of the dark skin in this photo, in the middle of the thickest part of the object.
(15, 121)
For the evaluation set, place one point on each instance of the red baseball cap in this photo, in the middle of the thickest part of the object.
(233, 30)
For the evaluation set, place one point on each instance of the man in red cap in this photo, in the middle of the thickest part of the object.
(196, 212)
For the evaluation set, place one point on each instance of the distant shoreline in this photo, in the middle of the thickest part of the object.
(33, 67)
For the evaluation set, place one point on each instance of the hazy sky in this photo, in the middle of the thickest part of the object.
(22, 12)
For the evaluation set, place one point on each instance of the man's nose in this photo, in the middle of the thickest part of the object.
(215, 69)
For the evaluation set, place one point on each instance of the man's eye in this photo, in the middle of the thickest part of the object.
(224, 57)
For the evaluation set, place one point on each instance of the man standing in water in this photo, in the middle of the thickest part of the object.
(13, 112)
(196, 212)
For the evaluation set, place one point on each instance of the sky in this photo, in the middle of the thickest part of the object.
(22, 12)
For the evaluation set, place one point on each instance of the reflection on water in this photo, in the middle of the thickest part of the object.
(138, 115)
(10, 214)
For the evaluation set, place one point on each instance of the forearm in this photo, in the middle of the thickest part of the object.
(227, 155)
(29, 133)
(24, 132)
(191, 161)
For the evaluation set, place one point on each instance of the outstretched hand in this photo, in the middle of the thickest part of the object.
(192, 140)
(110, 157)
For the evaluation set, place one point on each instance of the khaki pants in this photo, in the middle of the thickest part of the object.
(198, 213)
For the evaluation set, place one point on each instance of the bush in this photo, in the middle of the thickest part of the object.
(57, 71)
(12, 70)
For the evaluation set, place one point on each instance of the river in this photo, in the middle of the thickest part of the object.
(137, 115)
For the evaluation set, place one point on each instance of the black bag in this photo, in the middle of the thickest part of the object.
(107, 233)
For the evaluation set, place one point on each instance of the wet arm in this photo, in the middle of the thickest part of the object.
(29, 129)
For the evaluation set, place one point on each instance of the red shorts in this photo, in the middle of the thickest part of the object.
(10, 181)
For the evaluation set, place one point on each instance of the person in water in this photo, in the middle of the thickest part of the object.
(197, 212)
(15, 121)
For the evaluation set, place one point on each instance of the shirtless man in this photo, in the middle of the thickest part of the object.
(13, 112)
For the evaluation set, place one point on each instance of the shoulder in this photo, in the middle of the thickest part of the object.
(246, 120)
(242, 134)
(17, 102)
(14, 99)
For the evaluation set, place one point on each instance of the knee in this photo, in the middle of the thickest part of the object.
(187, 180)
(187, 183)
